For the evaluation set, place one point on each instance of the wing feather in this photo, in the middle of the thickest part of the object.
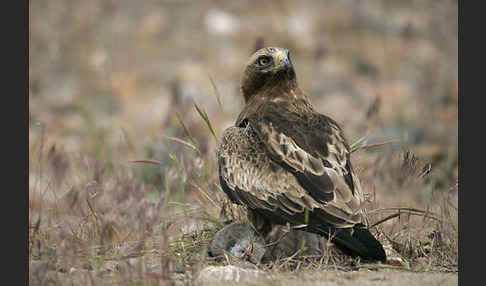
(249, 176)
(315, 151)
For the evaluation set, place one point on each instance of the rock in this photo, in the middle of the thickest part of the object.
(240, 240)
(283, 243)
(232, 273)
(179, 268)
(38, 271)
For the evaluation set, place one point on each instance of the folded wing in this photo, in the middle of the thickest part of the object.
(266, 169)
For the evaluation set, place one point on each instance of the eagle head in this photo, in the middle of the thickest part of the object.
(267, 68)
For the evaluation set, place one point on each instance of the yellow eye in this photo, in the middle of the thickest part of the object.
(263, 61)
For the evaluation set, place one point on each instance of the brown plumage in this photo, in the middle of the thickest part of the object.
(290, 164)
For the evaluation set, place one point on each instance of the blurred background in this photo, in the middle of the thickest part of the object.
(111, 80)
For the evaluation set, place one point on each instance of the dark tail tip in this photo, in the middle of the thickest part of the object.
(374, 249)
(361, 243)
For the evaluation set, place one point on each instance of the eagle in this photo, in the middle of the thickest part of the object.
(289, 164)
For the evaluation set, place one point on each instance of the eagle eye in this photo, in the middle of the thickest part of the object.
(263, 60)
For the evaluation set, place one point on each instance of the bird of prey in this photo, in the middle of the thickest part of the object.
(289, 164)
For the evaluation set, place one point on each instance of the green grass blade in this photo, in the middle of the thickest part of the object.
(174, 159)
(357, 144)
(204, 116)
(379, 144)
(188, 134)
(190, 145)
(181, 171)
(216, 92)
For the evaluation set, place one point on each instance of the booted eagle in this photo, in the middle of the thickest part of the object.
(287, 163)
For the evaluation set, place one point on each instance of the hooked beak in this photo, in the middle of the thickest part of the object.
(282, 62)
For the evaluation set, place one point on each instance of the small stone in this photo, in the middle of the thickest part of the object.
(38, 270)
(232, 273)
(240, 240)
(179, 268)
(283, 243)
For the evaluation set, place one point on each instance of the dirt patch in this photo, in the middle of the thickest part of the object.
(362, 278)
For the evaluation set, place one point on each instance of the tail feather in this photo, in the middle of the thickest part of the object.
(360, 243)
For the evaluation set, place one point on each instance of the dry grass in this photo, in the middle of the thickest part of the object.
(112, 227)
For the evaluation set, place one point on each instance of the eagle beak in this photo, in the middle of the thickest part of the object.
(283, 61)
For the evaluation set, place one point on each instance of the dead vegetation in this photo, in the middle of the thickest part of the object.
(111, 225)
